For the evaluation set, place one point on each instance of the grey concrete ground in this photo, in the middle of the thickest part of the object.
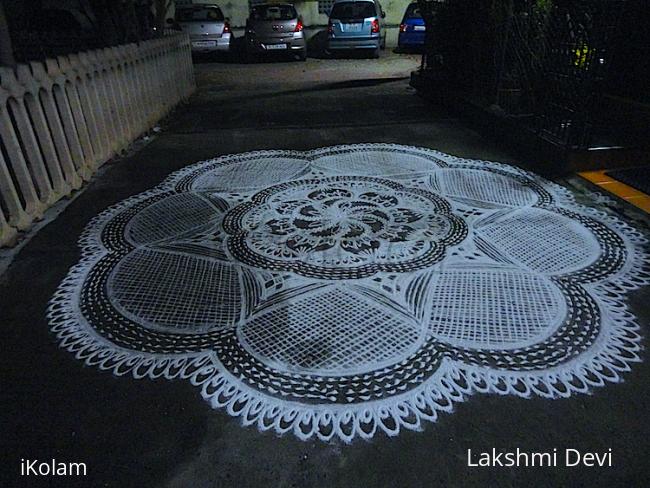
(160, 433)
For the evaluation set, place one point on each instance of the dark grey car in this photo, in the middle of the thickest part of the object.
(275, 28)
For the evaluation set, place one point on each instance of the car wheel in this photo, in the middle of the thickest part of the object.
(374, 54)
(302, 56)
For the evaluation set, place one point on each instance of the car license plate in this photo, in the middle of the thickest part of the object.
(420, 27)
(353, 27)
(275, 46)
(204, 43)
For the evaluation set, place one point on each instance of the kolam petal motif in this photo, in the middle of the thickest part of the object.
(353, 290)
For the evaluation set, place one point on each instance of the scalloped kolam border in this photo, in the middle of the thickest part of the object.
(615, 349)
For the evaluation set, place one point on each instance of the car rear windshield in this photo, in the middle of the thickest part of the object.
(353, 10)
(273, 12)
(209, 14)
(413, 12)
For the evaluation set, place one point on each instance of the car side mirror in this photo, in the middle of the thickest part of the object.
(227, 19)
(383, 14)
(170, 21)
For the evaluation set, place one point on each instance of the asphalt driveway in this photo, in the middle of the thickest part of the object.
(160, 433)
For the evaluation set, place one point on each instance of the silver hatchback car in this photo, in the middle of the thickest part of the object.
(207, 27)
(357, 24)
(275, 28)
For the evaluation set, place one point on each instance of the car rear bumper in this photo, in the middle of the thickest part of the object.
(357, 42)
(411, 39)
(211, 44)
(259, 44)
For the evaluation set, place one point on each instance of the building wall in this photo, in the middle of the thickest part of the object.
(237, 11)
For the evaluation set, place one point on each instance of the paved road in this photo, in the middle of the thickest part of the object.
(159, 433)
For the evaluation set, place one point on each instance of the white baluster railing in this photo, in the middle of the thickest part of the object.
(61, 119)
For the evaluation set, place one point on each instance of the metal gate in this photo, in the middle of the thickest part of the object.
(542, 61)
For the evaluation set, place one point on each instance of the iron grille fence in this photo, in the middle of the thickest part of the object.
(629, 75)
(543, 61)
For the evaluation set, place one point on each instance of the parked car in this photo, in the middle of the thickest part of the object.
(275, 28)
(207, 27)
(412, 30)
(356, 24)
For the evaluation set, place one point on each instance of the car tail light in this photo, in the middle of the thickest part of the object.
(330, 27)
(298, 26)
(402, 27)
(375, 26)
(226, 28)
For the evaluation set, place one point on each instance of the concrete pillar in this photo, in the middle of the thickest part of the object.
(29, 144)
(25, 185)
(41, 129)
(46, 98)
(8, 234)
(17, 217)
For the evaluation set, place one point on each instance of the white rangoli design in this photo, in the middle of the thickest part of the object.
(355, 289)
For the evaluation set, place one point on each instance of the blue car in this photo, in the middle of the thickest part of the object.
(357, 24)
(412, 29)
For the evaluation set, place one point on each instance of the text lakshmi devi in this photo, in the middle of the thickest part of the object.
(555, 458)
